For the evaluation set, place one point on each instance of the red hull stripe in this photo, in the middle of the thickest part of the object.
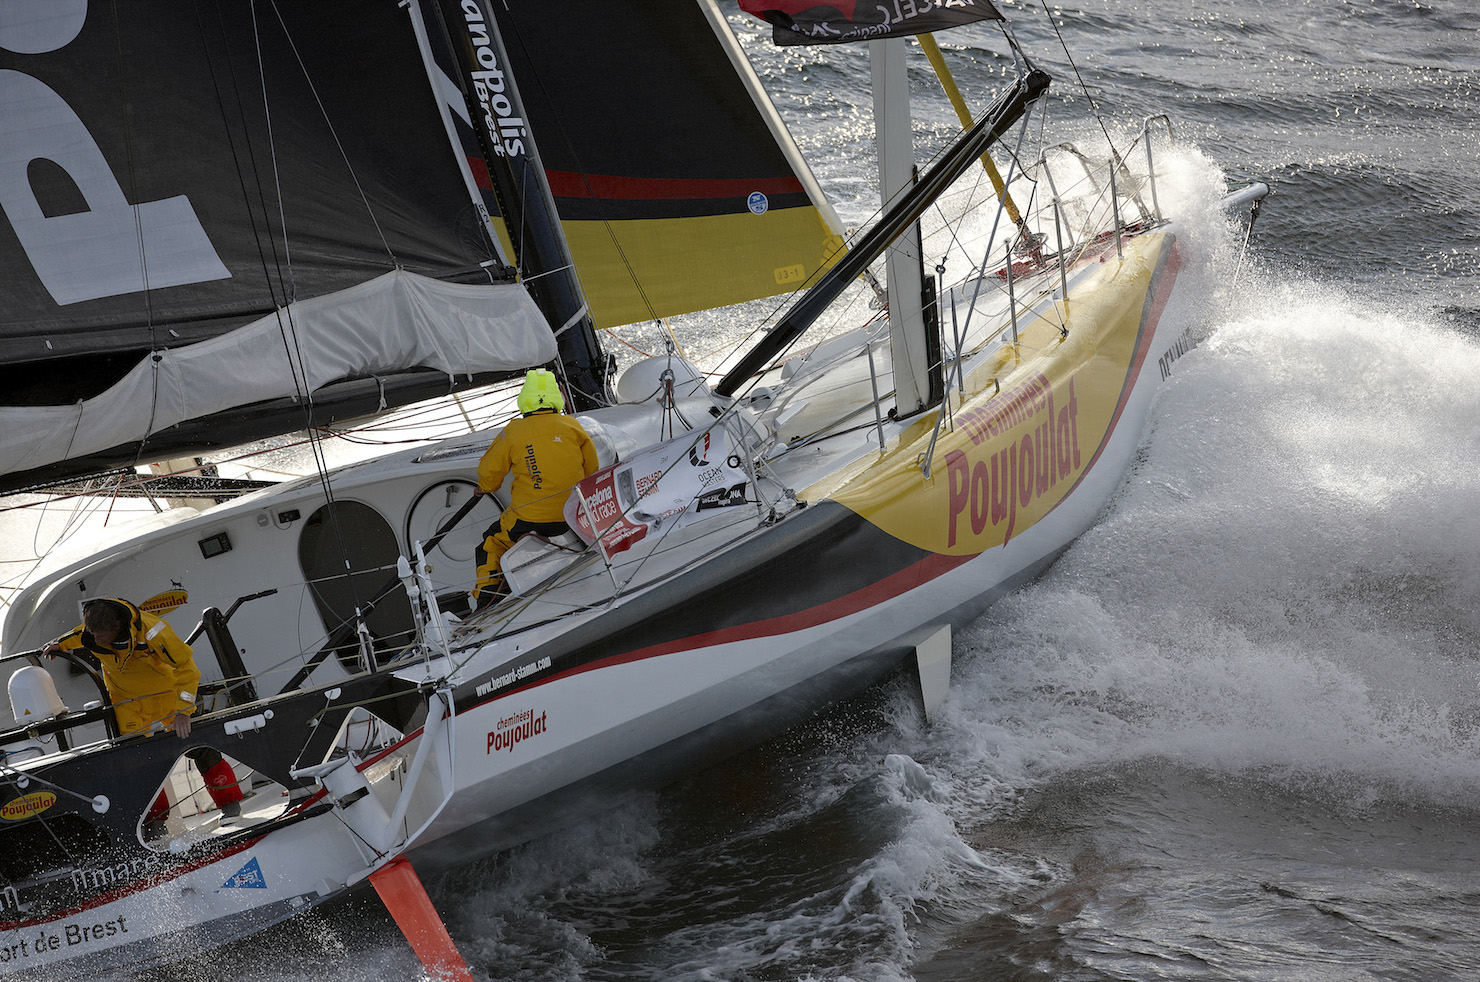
(568, 184)
(1165, 279)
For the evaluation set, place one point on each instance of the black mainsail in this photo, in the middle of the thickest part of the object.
(237, 221)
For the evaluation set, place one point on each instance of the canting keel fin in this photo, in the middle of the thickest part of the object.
(401, 891)
(933, 657)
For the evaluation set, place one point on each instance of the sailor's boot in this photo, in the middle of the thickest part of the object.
(223, 787)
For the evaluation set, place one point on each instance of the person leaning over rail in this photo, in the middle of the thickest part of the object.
(548, 453)
(151, 678)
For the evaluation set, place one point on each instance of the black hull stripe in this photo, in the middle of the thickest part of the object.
(814, 568)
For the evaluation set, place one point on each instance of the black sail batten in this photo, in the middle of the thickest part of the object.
(524, 196)
(175, 176)
(1003, 114)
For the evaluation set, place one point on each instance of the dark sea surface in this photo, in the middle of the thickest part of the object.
(1234, 733)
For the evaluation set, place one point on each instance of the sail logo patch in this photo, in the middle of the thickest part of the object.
(248, 877)
(757, 203)
(27, 805)
(787, 275)
(491, 89)
(162, 603)
(699, 452)
(96, 253)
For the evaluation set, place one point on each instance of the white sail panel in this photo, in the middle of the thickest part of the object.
(397, 320)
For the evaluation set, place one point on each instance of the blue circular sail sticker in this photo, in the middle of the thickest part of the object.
(757, 203)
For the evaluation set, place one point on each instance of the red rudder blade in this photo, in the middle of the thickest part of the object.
(401, 891)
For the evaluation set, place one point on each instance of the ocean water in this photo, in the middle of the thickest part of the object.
(1234, 733)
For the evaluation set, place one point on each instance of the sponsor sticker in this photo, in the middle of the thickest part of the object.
(619, 505)
(27, 805)
(20, 946)
(513, 675)
(789, 275)
(163, 603)
(514, 730)
(1039, 423)
(249, 877)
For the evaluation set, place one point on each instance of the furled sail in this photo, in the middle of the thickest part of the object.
(191, 190)
(672, 188)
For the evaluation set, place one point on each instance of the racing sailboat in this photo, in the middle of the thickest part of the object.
(300, 214)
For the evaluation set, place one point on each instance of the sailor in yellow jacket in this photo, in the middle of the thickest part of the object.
(150, 673)
(151, 678)
(548, 453)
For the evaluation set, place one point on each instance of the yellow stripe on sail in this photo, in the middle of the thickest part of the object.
(640, 270)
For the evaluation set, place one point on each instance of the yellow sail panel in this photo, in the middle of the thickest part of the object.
(642, 269)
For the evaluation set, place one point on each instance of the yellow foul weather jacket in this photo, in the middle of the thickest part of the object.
(151, 677)
(548, 453)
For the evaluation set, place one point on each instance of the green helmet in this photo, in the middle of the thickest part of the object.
(540, 391)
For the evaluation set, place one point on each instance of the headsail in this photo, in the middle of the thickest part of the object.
(172, 174)
(672, 189)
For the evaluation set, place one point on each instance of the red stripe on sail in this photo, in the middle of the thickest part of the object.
(569, 184)
(479, 167)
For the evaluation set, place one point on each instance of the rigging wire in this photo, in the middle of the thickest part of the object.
(287, 327)
(610, 228)
(1094, 106)
(146, 293)
(359, 188)
(876, 214)
(511, 615)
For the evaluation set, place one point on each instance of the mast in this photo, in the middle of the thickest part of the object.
(524, 196)
(914, 333)
(970, 145)
(450, 98)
